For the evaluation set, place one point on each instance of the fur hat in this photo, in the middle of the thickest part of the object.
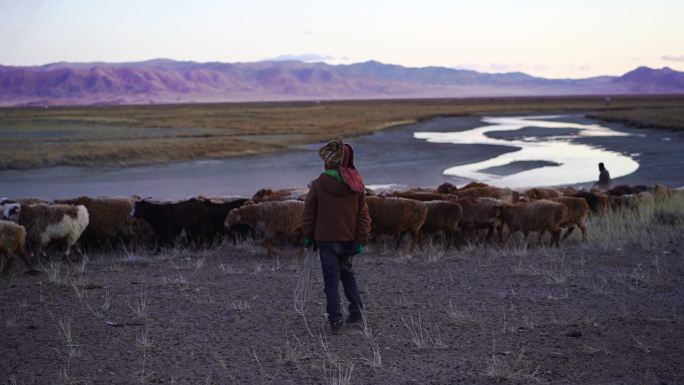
(332, 154)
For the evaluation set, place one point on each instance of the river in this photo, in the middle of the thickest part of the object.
(515, 151)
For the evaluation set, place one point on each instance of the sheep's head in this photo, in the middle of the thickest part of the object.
(234, 217)
(446, 188)
(12, 212)
(507, 212)
(262, 194)
(141, 208)
(533, 193)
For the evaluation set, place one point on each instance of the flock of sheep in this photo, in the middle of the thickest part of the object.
(459, 214)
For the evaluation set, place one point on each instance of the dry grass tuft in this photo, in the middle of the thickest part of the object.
(294, 351)
(518, 370)
(140, 305)
(56, 273)
(421, 336)
(435, 248)
(375, 359)
(557, 273)
(461, 316)
(653, 224)
(67, 351)
(338, 373)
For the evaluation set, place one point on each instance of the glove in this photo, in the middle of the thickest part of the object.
(358, 248)
(308, 242)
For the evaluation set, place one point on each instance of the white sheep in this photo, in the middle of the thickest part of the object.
(45, 223)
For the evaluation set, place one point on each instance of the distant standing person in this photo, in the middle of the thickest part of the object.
(336, 220)
(604, 177)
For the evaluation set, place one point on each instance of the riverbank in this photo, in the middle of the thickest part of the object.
(119, 136)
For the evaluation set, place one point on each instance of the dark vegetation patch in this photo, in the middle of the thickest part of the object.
(518, 166)
(670, 118)
(532, 134)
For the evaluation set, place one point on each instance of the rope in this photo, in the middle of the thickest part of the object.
(303, 290)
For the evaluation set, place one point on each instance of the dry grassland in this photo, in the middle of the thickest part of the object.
(669, 118)
(133, 135)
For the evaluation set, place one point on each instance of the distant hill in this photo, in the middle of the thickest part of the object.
(644, 80)
(169, 81)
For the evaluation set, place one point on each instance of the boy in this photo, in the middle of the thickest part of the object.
(336, 219)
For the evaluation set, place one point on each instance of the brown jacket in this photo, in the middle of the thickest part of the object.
(335, 213)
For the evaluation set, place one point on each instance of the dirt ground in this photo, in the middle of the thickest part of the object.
(589, 312)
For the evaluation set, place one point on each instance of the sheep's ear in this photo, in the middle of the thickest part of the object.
(146, 198)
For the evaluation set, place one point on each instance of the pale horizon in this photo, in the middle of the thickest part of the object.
(572, 40)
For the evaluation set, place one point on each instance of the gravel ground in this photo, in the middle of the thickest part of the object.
(584, 313)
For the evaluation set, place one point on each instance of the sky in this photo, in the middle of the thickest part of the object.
(551, 38)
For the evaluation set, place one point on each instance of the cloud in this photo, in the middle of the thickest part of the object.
(307, 57)
(673, 58)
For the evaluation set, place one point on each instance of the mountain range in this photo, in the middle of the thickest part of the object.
(169, 81)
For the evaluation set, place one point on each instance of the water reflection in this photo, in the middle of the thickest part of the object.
(542, 142)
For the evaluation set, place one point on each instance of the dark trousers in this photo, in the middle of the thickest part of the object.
(337, 266)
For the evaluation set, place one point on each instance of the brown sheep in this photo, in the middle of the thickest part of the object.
(567, 191)
(422, 189)
(624, 189)
(597, 200)
(422, 196)
(268, 195)
(623, 202)
(110, 219)
(23, 201)
(578, 211)
(508, 196)
(442, 217)
(504, 194)
(446, 188)
(539, 215)
(543, 193)
(645, 198)
(270, 220)
(12, 242)
(396, 216)
(661, 192)
(478, 192)
(475, 185)
(480, 213)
